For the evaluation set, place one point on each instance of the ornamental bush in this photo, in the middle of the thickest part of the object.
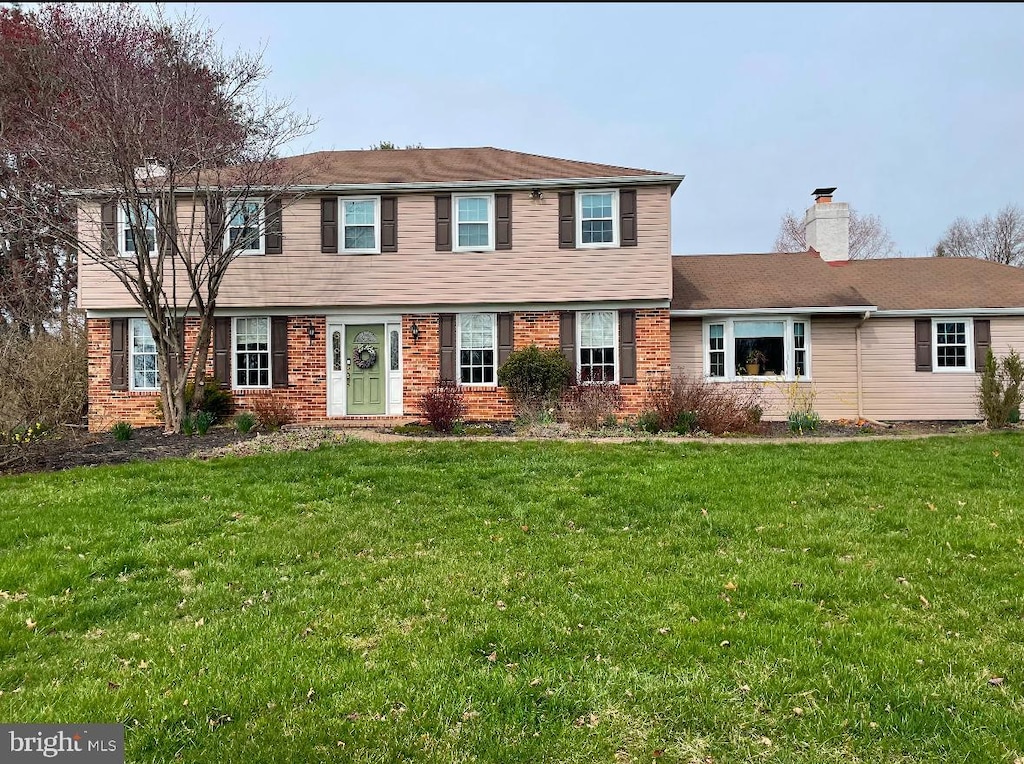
(999, 390)
(535, 379)
(682, 404)
(443, 405)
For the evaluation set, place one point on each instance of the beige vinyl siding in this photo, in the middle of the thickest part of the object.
(833, 367)
(534, 270)
(893, 390)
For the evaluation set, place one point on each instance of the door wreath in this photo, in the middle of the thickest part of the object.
(364, 356)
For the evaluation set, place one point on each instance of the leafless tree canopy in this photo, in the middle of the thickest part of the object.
(999, 239)
(115, 88)
(869, 238)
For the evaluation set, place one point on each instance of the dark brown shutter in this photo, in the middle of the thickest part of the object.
(168, 232)
(108, 231)
(505, 340)
(443, 223)
(222, 350)
(174, 359)
(389, 224)
(982, 342)
(923, 344)
(567, 219)
(214, 222)
(275, 241)
(627, 218)
(567, 333)
(279, 351)
(329, 224)
(119, 354)
(627, 346)
(503, 221)
(447, 347)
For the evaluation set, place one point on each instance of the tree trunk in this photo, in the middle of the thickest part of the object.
(202, 353)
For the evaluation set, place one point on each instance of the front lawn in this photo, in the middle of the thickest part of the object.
(504, 602)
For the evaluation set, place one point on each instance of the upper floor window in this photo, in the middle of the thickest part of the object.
(252, 352)
(757, 347)
(142, 370)
(953, 344)
(474, 223)
(360, 225)
(127, 246)
(245, 226)
(597, 342)
(597, 215)
(477, 348)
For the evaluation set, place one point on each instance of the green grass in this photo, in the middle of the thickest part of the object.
(385, 602)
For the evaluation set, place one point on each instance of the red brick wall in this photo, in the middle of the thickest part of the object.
(306, 393)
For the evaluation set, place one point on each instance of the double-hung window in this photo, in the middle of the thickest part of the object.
(953, 344)
(142, 370)
(597, 214)
(360, 226)
(477, 348)
(761, 348)
(245, 227)
(144, 222)
(252, 352)
(597, 339)
(474, 223)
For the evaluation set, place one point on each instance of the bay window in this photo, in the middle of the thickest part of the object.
(761, 348)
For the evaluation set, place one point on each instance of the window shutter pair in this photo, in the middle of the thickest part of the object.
(447, 342)
(627, 342)
(923, 343)
(329, 224)
(222, 351)
(567, 219)
(443, 222)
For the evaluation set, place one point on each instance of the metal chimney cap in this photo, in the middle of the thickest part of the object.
(820, 192)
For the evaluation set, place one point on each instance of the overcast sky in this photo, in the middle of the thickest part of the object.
(916, 112)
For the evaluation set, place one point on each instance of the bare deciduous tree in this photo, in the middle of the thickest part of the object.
(153, 117)
(869, 238)
(999, 239)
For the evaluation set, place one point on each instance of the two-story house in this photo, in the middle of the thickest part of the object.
(398, 268)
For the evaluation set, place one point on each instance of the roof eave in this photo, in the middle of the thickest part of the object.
(806, 310)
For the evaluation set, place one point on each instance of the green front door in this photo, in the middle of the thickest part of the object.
(364, 346)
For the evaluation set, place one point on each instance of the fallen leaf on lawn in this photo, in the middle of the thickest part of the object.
(524, 528)
(657, 753)
(200, 622)
(500, 605)
(996, 681)
(143, 664)
(901, 580)
(724, 643)
(112, 686)
(995, 454)
(664, 630)
(765, 741)
(924, 601)
(535, 682)
(467, 715)
(744, 688)
(30, 623)
(931, 506)
(588, 720)
(493, 656)
(731, 586)
(310, 694)
(798, 711)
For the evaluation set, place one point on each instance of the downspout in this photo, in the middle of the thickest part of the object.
(860, 385)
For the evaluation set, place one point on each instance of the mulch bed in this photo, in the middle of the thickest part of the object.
(82, 449)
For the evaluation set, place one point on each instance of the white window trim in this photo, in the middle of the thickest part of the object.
(122, 224)
(579, 347)
(615, 219)
(968, 337)
(490, 223)
(375, 249)
(234, 355)
(131, 359)
(261, 225)
(789, 350)
(458, 350)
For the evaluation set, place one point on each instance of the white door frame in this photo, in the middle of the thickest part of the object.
(342, 321)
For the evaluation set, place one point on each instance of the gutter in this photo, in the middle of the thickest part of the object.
(460, 185)
(823, 310)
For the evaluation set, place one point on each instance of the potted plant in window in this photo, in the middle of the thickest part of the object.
(755, 359)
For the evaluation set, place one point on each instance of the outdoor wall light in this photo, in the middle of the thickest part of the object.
(415, 331)
(311, 331)
(536, 194)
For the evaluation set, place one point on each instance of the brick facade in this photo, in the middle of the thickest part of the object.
(306, 393)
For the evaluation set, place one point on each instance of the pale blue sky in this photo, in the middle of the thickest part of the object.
(915, 112)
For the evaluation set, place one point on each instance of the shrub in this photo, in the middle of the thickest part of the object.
(216, 400)
(122, 431)
(999, 390)
(244, 422)
(43, 378)
(443, 405)
(586, 407)
(648, 422)
(535, 379)
(271, 412)
(203, 421)
(678, 403)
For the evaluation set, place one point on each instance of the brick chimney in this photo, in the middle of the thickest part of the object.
(827, 226)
